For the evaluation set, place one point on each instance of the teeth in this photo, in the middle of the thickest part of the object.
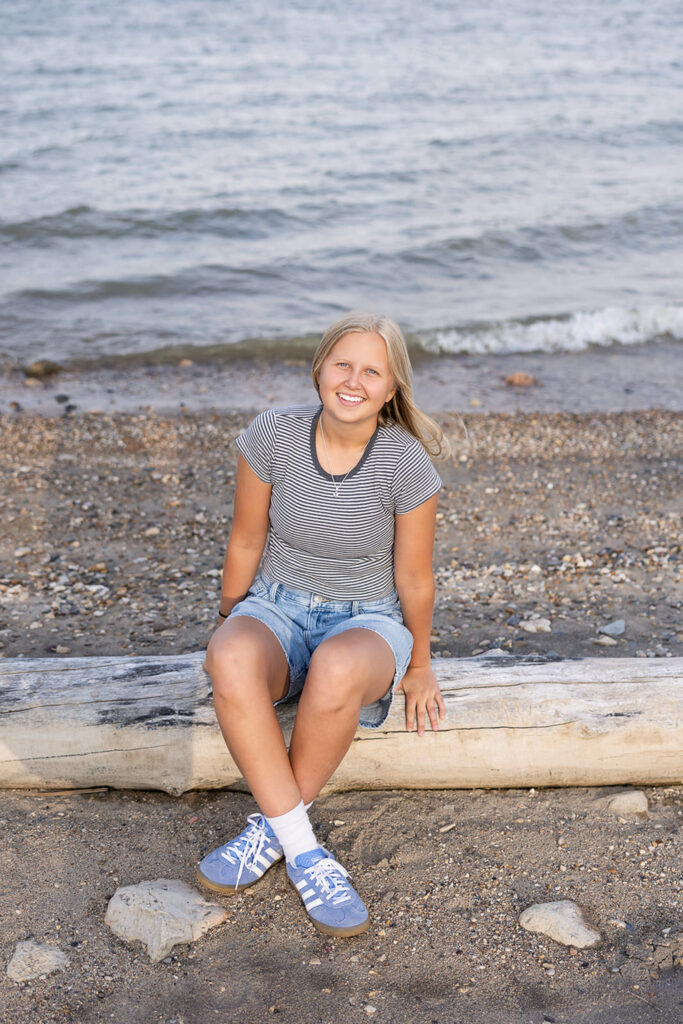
(350, 398)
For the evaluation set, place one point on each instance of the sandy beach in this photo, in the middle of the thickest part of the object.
(114, 528)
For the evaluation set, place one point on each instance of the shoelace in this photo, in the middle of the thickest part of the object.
(247, 847)
(330, 876)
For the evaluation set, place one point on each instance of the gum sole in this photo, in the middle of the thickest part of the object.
(224, 890)
(341, 933)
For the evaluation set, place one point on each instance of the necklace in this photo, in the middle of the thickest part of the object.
(337, 484)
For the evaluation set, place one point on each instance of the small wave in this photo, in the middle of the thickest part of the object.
(571, 333)
(648, 227)
(86, 222)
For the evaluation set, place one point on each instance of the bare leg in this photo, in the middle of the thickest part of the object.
(248, 671)
(347, 671)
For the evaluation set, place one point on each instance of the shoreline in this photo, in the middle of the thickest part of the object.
(618, 378)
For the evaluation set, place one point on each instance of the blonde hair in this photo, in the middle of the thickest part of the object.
(401, 408)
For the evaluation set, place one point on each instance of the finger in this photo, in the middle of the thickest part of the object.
(410, 715)
(440, 701)
(421, 721)
(433, 717)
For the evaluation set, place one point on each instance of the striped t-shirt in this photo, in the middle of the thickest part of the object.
(338, 547)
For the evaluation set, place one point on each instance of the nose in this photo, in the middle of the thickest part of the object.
(353, 378)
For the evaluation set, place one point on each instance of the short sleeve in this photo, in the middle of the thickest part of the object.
(415, 479)
(257, 444)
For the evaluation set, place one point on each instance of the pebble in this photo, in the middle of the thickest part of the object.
(632, 803)
(32, 960)
(605, 641)
(41, 368)
(536, 624)
(161, 914)
(563, 921)
(520, 379)
(615, 628)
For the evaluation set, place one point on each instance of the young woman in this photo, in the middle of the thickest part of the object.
(342, 495)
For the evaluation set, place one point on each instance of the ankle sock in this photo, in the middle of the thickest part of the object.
(294, 831)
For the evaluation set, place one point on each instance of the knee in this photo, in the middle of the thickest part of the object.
(231, 665)
(332, 678)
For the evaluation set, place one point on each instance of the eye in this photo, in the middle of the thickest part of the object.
(369, 370)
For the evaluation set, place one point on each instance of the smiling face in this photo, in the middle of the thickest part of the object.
(355, 380)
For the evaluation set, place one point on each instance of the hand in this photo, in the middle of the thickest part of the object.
(422, 694)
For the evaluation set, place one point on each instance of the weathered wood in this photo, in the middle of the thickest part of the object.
(148, 723)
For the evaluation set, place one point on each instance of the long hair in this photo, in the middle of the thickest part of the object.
(401, 408)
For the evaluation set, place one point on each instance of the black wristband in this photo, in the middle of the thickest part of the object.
(222, 615)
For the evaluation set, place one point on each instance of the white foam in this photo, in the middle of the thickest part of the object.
(573, 333)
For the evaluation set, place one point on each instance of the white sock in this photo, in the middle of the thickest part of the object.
(294, 831)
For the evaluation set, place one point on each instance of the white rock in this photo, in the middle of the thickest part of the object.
(161, 914)
(31, 960)
(615, 628)
(562, 921)
(630, 804)
(605, 641)
(536, 625)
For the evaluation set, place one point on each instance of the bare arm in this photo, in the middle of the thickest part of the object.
(247, 536)
(413, 547)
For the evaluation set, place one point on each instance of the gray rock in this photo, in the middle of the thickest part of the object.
(161, 914)
(615, 628)
(632, 803)
(563, 922)
(31, 960)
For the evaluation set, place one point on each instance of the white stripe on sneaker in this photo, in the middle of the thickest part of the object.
(315, 903)
(307, 895)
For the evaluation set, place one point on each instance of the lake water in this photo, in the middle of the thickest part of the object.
(215, 178)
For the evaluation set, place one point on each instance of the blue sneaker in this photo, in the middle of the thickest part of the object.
(243, 860)
(332, 903)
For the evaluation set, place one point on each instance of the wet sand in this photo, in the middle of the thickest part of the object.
(114, 528)
(611, 379)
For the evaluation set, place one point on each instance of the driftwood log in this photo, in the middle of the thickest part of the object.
(149, 723)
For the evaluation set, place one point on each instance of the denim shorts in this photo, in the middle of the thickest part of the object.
(301, 621)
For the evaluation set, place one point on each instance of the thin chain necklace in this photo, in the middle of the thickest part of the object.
(337, 483)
